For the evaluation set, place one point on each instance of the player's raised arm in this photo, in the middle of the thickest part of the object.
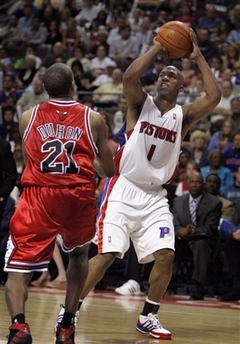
(132, 88)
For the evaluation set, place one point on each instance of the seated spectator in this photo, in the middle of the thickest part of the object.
(32, 98)
(36, 34)
(105, 77)
(108, 94)
(210, 20)
(58, 51)
(231, 155)
(216, 166)
(180, 172)
(196, 219)
(89, 12)
(232, 259)
(232, 192)
(124, 47)
(9, 89)
(234, 34)
(223, 138)
(78, 53)
(98, 65)
(235, 108)
(212, 185)
(71, 36)
(26, 75)
(151, 76)
(6, 63)
(6, 128)
(198, 147)
(54, 34)
(11, 34)
(182, 187)
(85, 85)
(223, 108)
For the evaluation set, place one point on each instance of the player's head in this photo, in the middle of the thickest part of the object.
(59, 81)
(170, 80)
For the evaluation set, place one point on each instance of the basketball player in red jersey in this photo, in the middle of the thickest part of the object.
(135, 204)
(61, 140)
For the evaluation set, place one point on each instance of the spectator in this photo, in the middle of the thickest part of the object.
(26, 75)
(212, 185)
(78, 53)
(232, 192)
(54, 34)
(105, 77)
(180, 173)
(223, 108)
(145, 32)
(9, 89)
(36, 34)
(71, 35)
(232, 259)
(198, 147)
(99, 63)
(223, 138)
(216, 166)
(232, 60)
(151, 76)
(210, 20)
(234, 34)
(108, 94)
(235, 108)
(58, 50)
(206, 46)
(11, 34)
(85, 86)
(231, 155)
(89, 12)
(185, 15)
(124, 47)
(197, 235)
(25, 21)
(32, 98)
(8, 125)
(182, 187)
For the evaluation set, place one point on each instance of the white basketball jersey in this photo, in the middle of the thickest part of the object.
(151, 153)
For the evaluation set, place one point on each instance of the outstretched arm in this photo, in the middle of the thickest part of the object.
(204, 105)
(132, 88)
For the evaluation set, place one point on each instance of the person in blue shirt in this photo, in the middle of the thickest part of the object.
(216, 166)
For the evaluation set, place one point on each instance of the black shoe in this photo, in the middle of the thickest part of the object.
(19, 333)
(229, 297)
(198, 294)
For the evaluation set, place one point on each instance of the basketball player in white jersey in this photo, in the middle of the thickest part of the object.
(134, 203)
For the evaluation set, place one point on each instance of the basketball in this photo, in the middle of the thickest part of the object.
(174, 36)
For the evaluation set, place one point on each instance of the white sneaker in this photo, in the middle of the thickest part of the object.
(150, 324)
(60, 317)
(131, 287)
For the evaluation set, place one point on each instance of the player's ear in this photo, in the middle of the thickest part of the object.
(181, 88)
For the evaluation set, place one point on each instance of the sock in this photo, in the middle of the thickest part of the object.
(68, 320)
(20, 318)
(150, 307)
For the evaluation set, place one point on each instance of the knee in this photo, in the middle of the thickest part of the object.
(165, 256)
(103, 261)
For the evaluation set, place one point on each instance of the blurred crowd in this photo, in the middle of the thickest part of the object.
(98, 40)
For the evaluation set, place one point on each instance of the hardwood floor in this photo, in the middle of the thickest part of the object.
(106, 318)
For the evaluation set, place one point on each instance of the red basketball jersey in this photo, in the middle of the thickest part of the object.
(59, 145)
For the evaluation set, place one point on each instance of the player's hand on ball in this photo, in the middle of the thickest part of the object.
(196, 51)
(162, 51)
